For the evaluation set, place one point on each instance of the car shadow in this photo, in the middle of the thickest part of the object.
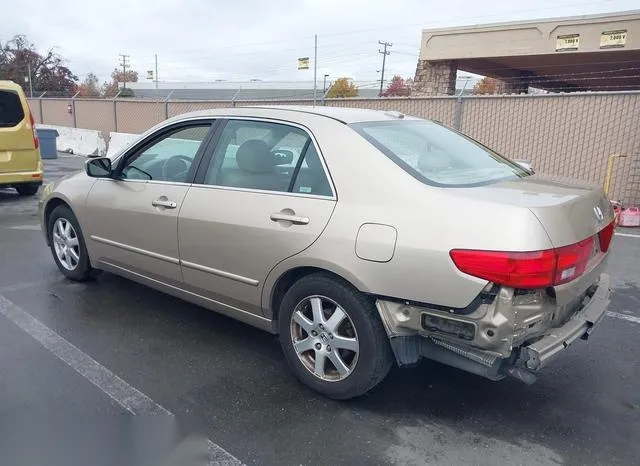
(9, 195)
(249, 365)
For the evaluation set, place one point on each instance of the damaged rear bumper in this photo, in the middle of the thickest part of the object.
(522, 360)
(537, 355)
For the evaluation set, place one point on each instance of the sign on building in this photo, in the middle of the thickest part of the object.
(611, 39)
(567, 42)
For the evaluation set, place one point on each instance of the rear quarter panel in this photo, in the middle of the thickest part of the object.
(430, 221)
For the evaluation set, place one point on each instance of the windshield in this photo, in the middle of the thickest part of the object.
(437, 155)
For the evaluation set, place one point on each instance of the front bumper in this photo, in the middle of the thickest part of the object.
(537, 355)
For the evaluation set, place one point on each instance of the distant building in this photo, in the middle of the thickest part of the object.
(581, 53)
(238, 91)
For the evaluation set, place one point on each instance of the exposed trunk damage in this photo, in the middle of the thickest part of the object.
(512, 331)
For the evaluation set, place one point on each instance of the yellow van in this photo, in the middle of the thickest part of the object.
(20, 163)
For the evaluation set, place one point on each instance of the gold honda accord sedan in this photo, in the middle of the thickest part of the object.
(363, 238)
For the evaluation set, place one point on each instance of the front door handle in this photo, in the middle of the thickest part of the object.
(295, 219)
(164, 203)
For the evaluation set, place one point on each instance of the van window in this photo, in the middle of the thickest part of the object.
(11, 112)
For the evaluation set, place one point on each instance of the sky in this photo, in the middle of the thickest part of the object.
(207, 40)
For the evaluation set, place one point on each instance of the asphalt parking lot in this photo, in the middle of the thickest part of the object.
(62, 343)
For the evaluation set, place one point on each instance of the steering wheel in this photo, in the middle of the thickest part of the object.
(176, 168)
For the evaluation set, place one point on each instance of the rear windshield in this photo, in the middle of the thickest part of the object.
(11, 112)
(437, 155)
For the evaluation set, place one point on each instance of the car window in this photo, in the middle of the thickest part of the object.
(168, 159)
(267, 156)
(437, 155)
(11, 112)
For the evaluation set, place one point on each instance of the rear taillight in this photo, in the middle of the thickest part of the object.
(605, 236)
(572, 261)
(513, 269)
(527, 270)
(36, 141)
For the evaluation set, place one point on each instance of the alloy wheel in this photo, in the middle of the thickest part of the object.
(324, 338)
(66, 244)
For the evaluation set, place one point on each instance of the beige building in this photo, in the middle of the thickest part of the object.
(581, 53)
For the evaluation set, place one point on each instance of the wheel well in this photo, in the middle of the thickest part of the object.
(48, 209)
(290, 277)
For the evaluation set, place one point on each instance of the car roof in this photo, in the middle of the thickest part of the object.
(342, 114)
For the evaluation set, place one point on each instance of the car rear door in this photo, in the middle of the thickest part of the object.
(17, 143)
(265, 195)
(132, 219)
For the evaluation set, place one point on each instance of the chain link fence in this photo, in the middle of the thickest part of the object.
(566, 135)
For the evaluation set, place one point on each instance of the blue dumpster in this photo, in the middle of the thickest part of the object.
(48, 147)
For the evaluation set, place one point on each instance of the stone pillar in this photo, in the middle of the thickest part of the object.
(435, 77)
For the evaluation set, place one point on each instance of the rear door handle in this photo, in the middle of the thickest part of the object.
(295, 219)
(164, 203)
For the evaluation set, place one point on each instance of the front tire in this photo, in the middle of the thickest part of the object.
(332, 337)
(27, 189)
(67, 244)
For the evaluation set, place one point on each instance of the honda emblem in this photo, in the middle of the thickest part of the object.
(599, 215)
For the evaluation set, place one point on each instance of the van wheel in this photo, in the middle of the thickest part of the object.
(332, 337)
(67, 244)
(27, 189)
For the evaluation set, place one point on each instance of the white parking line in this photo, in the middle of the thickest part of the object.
(130, 398)
(627, 235)
(634, 319)
(26, 227)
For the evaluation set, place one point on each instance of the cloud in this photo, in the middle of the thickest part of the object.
(204, 40)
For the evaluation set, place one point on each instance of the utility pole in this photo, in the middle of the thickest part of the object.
(156, 71)
(315, 67)
(124, 63)
(384, 61)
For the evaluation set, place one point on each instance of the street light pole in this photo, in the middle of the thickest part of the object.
(315, 66)
(30, 84)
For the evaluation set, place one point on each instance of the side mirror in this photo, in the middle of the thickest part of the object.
(99, 167)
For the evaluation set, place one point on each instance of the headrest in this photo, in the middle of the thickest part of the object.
(433, 161)
(254, 156)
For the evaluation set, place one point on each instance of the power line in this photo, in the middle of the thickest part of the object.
(384, 60)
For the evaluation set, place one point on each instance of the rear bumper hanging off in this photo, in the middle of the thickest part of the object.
(537, 355)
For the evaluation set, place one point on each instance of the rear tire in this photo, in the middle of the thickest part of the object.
(27, 189)
(67, 244)
(339, 356)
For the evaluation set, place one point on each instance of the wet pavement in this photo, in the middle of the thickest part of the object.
(230, 383)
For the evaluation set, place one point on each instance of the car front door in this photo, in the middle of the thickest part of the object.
(264, 195)
(132, 218)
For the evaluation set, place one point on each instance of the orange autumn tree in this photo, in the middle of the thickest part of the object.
(486, 86)
(343, 87)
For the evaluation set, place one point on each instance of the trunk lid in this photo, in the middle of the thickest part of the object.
(568, 212)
